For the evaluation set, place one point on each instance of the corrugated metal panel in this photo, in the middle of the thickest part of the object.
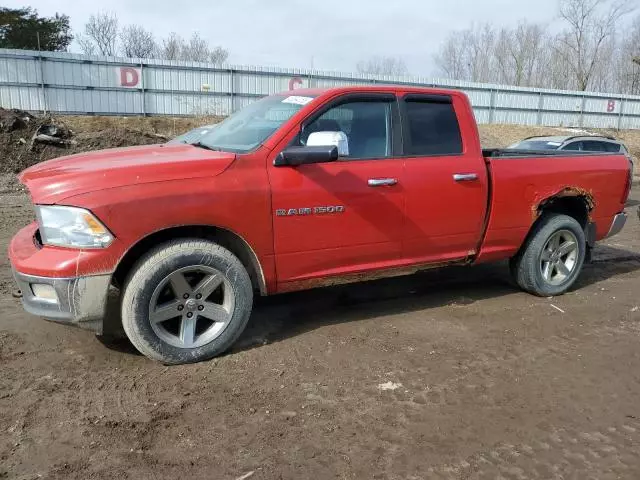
(515, 117)
(25, 98)
(522, 100)
(560, 119)
(568, 103)
(602, 105)
(591, 120)
(96, 84)
(631, 107)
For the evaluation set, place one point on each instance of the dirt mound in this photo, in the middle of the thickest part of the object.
(26, 140)
(14, 119)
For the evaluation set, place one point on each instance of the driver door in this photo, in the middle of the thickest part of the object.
(346, 216)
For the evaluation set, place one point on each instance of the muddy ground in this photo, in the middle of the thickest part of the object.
(447, 374)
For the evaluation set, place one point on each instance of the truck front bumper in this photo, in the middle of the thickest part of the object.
(78, 301)
(60, 284)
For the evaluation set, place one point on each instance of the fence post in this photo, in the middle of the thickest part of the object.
(540, 107)
(44, 93)
(232, 90)
(144, 109)
(492, 105)
(583, 104)
(620, 113)
(310, 78)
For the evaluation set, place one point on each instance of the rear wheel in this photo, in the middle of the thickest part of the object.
(186, 301)
(552, 258)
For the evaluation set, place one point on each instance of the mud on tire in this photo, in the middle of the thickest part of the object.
(552, 258)
(186, 301)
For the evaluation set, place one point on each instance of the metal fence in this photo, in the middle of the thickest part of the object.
(78, 84)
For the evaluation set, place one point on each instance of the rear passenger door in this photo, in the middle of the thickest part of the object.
(446, 187)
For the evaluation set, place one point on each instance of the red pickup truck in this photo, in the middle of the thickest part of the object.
(295, 191)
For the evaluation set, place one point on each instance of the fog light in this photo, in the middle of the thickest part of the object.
(44, 292)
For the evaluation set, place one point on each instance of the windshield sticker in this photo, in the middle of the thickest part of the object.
(554, 144)
(297, 100)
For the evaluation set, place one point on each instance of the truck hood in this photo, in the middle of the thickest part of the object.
(52, 181)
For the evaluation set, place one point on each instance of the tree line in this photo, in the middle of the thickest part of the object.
(597, 48)
(23, 28)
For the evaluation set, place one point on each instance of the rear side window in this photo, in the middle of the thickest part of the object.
(612, 147)
(593, 146)
(575, 146)
(431, 128)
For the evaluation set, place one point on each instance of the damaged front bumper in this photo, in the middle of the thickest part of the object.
(61, 284)
(78, 301)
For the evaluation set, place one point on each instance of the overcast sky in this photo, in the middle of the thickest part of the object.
(336, 34)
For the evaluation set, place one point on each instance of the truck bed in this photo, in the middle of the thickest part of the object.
(519, 188)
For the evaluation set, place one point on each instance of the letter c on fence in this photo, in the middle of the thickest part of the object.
(293, 82)
(129, 77)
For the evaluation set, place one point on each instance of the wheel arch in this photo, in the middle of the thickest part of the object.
(222, 236)
(571, 201)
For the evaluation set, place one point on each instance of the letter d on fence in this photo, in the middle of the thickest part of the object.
(129, 77)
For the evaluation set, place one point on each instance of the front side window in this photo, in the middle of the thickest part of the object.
(432, 129)
(366, 124)
(247, 128)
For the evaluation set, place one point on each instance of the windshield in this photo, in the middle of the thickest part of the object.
(192, 135)
(536, 145)
(246, 129)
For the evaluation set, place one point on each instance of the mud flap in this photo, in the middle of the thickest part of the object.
(590, 237)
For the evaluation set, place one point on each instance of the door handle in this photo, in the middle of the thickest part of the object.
(382, 182)
(465, 177)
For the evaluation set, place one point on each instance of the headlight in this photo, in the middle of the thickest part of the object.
(71, 227)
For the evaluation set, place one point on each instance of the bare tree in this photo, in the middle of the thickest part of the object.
(171, 47)
(518, 54)
(137, 42)
(383, 66)
(86, 44)
(628, 59)
(469, 55)
(196, 49)
(218, 55)
(590, 24)
(450, 59)
(100, 34)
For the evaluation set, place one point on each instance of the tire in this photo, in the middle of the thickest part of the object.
(529, 267)
(186, 301)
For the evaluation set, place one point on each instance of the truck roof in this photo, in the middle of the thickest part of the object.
(371, 88)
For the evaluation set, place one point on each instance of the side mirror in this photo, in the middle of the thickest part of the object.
(294, 156)
(324, 139)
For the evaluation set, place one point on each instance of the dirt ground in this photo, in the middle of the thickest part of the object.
(449, 374)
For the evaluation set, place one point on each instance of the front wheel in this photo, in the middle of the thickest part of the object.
(552, 258)
(186, 301)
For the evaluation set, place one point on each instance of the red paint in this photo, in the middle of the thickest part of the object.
(426, 218)
(129, 77)
(611, 106)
